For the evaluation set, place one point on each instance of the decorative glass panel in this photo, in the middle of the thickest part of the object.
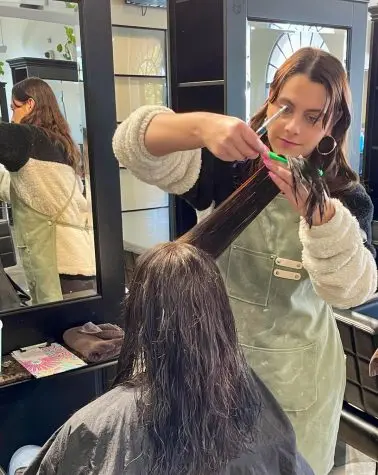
(272, 43)
(132, 93)
(139, 51)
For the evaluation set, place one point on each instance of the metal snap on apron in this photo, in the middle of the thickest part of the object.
(288, 333)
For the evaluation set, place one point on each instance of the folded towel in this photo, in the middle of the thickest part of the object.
(95, 343)
(105, 331)
(373, 366)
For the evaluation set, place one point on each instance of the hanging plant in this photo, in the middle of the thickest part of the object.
(66, 48)
(2, 72)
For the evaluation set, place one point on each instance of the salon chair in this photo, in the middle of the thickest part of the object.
(359, 420)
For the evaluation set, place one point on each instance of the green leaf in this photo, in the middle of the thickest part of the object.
(59, 48)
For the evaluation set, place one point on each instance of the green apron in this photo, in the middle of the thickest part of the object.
(288, 333)
(35, 236)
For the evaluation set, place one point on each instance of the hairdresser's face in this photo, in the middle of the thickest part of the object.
(21, 109)
(300, 128)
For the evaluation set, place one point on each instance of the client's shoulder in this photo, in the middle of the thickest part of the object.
(112, 409)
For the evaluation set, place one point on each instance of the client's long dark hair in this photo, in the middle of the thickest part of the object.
(196, 394)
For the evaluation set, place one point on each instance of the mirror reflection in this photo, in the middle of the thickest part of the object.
(46, 227)
(270, 44)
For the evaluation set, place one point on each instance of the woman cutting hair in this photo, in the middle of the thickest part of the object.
(282, 276)
(52, 219)
(186, 402)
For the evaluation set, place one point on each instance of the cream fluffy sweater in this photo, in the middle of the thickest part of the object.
(341, 267)
(43, 180)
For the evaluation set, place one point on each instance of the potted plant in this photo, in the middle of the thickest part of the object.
(68, 49)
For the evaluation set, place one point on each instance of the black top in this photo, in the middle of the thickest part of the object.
(19, 143)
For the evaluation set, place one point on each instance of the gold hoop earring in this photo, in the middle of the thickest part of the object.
(333, 145)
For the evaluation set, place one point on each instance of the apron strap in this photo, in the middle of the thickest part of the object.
(55, 220)
(68, 202)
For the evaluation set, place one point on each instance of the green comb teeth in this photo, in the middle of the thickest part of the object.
(279, 158)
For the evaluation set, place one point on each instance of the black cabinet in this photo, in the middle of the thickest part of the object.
(196, 35)
(52, 69)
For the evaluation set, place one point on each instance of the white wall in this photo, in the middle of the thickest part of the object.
(27, 38)
(31, 38)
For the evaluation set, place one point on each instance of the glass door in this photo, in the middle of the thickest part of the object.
(271, 43)
(274, 30)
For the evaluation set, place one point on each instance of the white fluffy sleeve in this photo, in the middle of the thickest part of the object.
(175, 173)
(342, 270)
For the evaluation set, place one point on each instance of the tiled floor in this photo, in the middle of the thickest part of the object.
(357, 464)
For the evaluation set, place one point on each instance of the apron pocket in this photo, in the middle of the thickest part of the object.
(249, 275)
(289, 374)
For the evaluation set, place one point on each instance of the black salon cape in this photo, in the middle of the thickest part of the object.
(103, 439)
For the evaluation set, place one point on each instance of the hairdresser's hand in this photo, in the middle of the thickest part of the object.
(229, 138)
(282, 177)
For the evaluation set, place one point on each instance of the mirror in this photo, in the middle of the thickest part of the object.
(46, 225)
(271, 43)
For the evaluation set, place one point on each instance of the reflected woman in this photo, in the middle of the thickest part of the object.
(52, 219)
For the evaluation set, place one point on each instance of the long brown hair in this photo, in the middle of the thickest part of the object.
(322, 68)
(215, 233)
(47, 116)
(197, 398)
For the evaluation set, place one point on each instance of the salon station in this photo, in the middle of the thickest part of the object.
(95, 171)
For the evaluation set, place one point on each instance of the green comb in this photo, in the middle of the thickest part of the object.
(280, 158)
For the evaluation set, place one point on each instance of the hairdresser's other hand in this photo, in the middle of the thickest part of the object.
(282, 177)
(229, 138)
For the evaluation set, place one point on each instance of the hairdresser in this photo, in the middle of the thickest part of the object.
(51, 215)
(282, 276)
